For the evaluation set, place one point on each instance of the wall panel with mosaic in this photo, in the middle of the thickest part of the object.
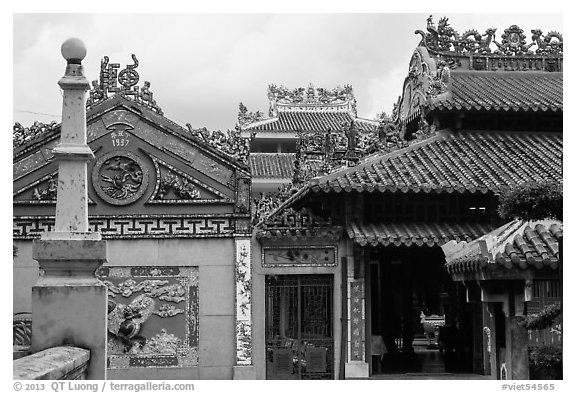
(152, 316)
(293, 256)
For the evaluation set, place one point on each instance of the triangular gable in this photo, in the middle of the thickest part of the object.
(137, 154)
(175, 186)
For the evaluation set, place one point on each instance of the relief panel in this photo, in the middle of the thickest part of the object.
(152, 316)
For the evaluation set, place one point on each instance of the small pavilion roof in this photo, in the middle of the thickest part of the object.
(287, 121)
(414, 233)
(515, 246)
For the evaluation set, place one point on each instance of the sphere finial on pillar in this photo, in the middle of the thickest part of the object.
(73, 50)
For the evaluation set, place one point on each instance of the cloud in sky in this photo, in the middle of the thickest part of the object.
(202, 65)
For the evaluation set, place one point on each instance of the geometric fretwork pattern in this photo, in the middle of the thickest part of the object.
(127, 227)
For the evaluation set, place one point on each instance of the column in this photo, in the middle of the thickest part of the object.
(356, 365)
(244, 368)
(69, 304)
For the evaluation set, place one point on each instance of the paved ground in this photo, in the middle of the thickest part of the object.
(424, 376)
(431, 367)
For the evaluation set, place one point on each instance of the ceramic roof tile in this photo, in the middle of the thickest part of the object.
(464, 162)
(527, 91)
(414, 233)
(310, 121)
(513, 245)
(272, 165)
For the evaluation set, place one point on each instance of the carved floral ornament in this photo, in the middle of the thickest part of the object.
(443, 38)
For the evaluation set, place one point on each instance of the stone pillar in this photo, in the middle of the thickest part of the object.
(519, 367)
(69, 304)
(356, 365)
(244, 368)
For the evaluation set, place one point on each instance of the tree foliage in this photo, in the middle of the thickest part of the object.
(543, 319)
(532, 201)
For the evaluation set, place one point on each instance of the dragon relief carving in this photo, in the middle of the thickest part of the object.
(443, 38)
(551, 44)
(123, 177)
(125, 321)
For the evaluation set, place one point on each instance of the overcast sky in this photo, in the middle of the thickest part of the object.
(201, 66)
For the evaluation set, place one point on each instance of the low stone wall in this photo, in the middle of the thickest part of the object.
(53, 363)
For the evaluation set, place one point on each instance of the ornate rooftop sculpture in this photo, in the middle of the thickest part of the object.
(485, 51)
(124, 83)
(311, 99)
(246, 117)
(22, 135)
(443, 38)
(320, 153)
(230, 142)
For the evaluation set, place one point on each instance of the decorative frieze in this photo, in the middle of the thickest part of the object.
(153, 318)
(135, 227)
(299, 256)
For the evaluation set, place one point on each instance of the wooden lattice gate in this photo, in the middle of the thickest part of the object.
(299, 327)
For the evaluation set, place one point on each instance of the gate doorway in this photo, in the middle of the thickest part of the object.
(418, 314)
(299, 327)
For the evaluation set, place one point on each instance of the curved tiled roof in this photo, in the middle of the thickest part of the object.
(414, 233)
(463, 162)
(514, 245)
(507, 91)
(310, 121)
(272, 165)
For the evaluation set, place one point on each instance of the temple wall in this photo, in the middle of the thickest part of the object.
(215, 261)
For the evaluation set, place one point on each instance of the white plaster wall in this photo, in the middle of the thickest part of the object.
(216, 261)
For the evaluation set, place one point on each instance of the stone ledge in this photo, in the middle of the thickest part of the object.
(52, 363)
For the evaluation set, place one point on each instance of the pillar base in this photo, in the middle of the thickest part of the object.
(244, 372)
(356, 370)
(69, 304)
(74, 315)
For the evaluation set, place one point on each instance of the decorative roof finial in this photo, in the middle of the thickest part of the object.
(127, 78)
(73, 50)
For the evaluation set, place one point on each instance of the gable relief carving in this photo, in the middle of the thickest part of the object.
(175, 186)
(120, 177)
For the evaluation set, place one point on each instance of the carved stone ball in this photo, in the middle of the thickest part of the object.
(73, 50)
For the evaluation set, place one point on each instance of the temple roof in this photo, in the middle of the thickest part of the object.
(515, 245)
(474, 71)
(310, 109)
(310, 121)
(414, 233)
(463, 162)
(272, 165)
(449, 162)
(514, 91)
